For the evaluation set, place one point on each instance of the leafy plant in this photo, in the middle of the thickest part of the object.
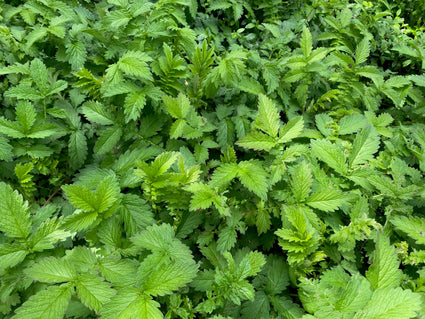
(212, 159)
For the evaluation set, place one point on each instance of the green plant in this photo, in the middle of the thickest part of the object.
(211, 159)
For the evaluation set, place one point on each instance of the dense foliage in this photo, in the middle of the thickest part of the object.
(212, 159)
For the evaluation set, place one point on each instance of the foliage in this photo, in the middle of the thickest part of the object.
(212, 159)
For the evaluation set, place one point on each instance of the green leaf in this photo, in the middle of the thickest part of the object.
(108, 139)
(331, 154)
(24, 92)
(42, 130)
(414, 227)
(166, 279)
(81, 197)
(384, 272)
(50, 303)
(93, 291)
(268, 118)
(351, 123)
(135, 101)
(48, 234)
(163, 162)
(77, 54)
(253, 177)
(57, 87)
(136, 213)
(5, 149)
(52, 270)
(77, 149)
(130, 303)
(355, 295)
(227, 238)
(39, 73)
(224, 174)
(365, 145)
(362, 51)
(12, 129)
(306, 42)
(257, 141)
(108, 192)
(155, 237)
(301, 181)
(25, 114)
(259, 308)
(326, 199)
(134, 63)
(80, 220)
(203, 196)
(291, 130)
(11, 255)
(178, 108)
(392, 303)
(96, 112)
(15, 219)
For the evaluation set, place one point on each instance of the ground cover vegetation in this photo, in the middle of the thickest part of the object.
(212, 159)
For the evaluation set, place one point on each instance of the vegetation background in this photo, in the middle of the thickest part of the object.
(212, 159)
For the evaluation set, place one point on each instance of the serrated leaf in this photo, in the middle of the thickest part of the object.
(39, 73)
(107, 193)
(331, 154)
(306, 42)
(15, 219)
(107, 140)
(48, 234)
(133, 104)
(268, 119)
(226, 239)
(384, 272)
(77, 149)
(179, 107)
(137, 215)
(11, 255)
(24, 92)
(155, 237)
(163, 162)
(327, 200)
(259, 308)
(97, 113)
(257, 141)
(224, 174)
(134, 63)
(253, 177)
(25, 114)
(301, 181)
(351, 123)
(365, 145)
(130, 303)
(42, 130)
(5, 149)
(291, 130)
(12, 129)
(362, 51)
(52, 270)
(263, 220)
(50, 303)
(355, 295)
(391, 303)
(203, 196)
(79, 220)
(165, 280)
(118, 271)
(93, 291)
(77, 54)
(412, 226)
